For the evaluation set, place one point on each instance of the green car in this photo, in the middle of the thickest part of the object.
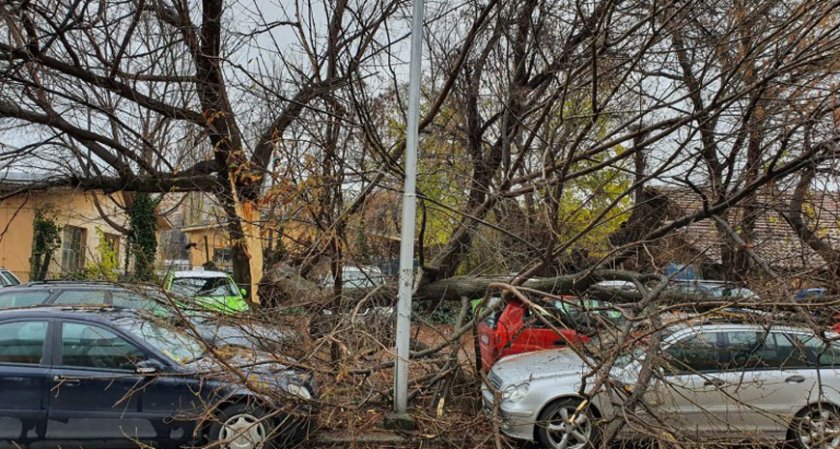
(213, 290)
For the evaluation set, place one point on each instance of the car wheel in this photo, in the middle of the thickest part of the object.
(561, 426)
(816, 427)
(241, 426)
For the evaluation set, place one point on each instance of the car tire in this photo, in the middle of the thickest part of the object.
(808, 427)
(242, 426)
(554, 430)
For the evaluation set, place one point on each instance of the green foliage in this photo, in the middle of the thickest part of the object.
(445, 312)
(106, 266)
(45, 240)
(585, 198)
(363, 249)
(142, 237)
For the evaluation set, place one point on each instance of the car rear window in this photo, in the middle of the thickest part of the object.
(133, 300)
(79, 297)
(13, 299)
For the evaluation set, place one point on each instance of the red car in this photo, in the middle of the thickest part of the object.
(515, 328)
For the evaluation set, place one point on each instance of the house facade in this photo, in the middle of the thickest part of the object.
(83, 231)
(87, 239)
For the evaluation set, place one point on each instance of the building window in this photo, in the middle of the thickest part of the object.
(222, 258)
(73, 249)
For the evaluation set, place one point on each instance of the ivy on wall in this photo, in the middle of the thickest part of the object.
(106, 266)
(46, 239)
(142, 237)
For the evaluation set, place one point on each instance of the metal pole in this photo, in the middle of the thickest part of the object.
(409, 216)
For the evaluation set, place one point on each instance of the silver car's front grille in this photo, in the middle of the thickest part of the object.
(495, 380)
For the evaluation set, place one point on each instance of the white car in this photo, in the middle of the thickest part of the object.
(7, 278)
(356, 277)
(718, 381)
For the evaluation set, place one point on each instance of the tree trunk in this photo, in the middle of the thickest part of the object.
(795, 218)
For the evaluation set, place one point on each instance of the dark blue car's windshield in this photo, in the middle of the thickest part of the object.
(178, 346)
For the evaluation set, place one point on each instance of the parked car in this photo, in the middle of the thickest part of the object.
(98, 377)
(368, 317)
(617, 285)
(810, 293)
(8, 278)
(70, 293)
(696, 293)
(720, 381)
(734, 292)
(214, 290)
(515, 328)
(354, 277)
(218, 330)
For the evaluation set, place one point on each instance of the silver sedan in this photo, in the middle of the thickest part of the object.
(715, 381)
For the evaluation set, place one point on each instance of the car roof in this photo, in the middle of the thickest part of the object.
(737, 322)
(91, 285)
(92, 312)
(199, 274)
(59, 284)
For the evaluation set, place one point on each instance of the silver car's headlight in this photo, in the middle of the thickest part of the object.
(299, 391)
(513, 393)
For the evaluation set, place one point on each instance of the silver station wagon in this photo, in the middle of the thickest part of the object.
(712, 381)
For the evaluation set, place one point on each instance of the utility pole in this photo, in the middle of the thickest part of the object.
(409, 217)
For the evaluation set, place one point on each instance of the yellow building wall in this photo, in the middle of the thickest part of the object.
(216, 239)
(67, 207)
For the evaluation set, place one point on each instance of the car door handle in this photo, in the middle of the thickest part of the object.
(713, 382)
(67, 381)
(560, 342)
(796, 379)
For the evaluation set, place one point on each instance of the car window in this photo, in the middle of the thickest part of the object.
(78, 297)
(590, 313)
(11, 280)
(550, 314)
(133, 300)
(198, 286)
(492, 320)
(742, 350)
(9, 300)
(90, 346)
(22, 342)
(696, 353)
(754, 350)
(817, 352)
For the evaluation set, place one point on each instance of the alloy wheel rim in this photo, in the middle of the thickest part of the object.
(820, 429)
(569, 429)
(243, 431)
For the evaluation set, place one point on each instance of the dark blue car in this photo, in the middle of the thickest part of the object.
(104, 378)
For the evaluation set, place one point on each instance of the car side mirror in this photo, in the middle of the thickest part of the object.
(150, 366)
(243, 292)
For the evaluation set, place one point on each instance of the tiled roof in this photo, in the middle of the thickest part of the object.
(775, 241)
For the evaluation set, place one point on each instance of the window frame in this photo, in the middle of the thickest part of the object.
(58, 342)
(796, 339)
(672, 369)
(78, 254)
(47, 356)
